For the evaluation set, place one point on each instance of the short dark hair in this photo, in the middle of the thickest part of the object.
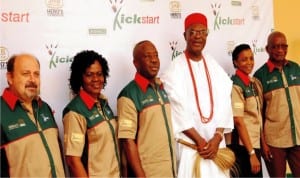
(81, 62)
(10, 63)
(237, 50)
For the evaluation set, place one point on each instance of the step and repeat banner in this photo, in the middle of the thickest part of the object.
(55, 30)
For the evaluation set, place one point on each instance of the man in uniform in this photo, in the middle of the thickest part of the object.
(30, 144)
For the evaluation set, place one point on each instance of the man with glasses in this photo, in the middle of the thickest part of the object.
(199, 91)
(280, 86)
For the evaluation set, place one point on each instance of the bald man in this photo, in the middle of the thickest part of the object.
(280, 85)
(145, 127)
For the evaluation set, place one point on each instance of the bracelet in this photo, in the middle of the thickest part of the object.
(219, 133)
(252, 152)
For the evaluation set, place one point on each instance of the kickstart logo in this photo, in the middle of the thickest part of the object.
(175, 52)
(122, 19)
(257, 49)
(15, 17)
(223, 21)
(55, 59)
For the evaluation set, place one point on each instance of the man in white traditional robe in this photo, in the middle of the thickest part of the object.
(199, 91)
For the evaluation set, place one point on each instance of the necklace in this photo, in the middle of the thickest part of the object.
(203, 118)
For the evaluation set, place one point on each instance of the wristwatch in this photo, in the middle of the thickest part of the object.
(252, 152)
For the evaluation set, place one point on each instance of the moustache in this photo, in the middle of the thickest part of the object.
(31, 85)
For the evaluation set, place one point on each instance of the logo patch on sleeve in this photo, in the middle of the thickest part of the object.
(238, 105)
(76, 137)
(126, 123)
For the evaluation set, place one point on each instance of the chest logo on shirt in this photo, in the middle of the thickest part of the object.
(247, 91)
(149, 99)
(164, 94)
(20, 123)
(293, 77)
(274, 79)
(107, 111)
(94, 116)
(45, 118)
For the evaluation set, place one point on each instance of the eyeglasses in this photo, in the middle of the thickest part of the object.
(278, 46)
(198, 32)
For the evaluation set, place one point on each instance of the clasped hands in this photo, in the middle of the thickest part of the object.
(209, 150)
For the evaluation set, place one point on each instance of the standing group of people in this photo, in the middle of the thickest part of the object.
(194, 102)
(266, 118)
